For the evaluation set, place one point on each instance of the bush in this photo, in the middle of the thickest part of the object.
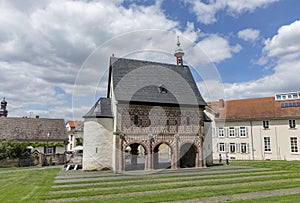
(12, 149)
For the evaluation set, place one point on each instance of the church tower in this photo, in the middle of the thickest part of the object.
(179, 53)
(3, 111)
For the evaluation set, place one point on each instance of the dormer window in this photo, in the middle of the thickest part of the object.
(162, 89)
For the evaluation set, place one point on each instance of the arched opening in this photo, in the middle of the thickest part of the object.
(135, 155)
(188, 155)
(162, 156)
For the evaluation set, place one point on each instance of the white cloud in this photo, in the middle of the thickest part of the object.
(218, 48)
(206, 12)
(283, 52)
(285, 44)
(248, 34)
(44, 43)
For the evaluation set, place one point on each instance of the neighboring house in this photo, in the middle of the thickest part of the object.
(45, 136)
(257, 128)
(151, 118)
(75, 134)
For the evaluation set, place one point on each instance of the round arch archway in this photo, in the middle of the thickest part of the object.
(162, 156)
(135, 156)
(188, 155)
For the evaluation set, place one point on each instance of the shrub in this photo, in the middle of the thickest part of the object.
(12, 149)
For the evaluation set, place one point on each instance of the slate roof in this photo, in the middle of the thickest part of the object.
(32, 129)
(256, 108)
(102, 109)
(141, 81)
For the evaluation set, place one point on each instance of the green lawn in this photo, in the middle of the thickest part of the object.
(27, 185)
(163, 186)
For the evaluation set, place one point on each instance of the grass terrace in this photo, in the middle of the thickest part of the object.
(251, 181)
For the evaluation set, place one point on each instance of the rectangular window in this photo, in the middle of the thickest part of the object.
(232, 147)
(266, 124)
(221, 147)
(294, 145)
(244, 149)
(49, 150)
(292, 123)
(231, 132)
(221, 132)
(267, 142)
(242, 131)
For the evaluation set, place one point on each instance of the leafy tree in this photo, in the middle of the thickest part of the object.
(12, 149)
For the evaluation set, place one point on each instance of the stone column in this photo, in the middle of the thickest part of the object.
(175, 154)
(150, 153)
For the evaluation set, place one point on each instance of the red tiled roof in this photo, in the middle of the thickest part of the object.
(256, 108)
(75, 123)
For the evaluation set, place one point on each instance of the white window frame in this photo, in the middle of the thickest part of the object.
(221, 147)
(266, 124)
(244, 148)
(231, 132)
(243, 131)
(232, 146)
(292, 123)
(294, 145)
(267, 144)
(49, 150)
(221, 132)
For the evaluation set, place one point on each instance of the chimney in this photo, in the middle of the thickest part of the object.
(221, 103)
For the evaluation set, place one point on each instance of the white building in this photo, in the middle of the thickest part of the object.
(75, 134)
(256, 129)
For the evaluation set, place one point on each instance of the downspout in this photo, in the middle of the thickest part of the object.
(251, 131)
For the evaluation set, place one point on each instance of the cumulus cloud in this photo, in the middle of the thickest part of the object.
(206, 12)
(218, 48)
(46, 48)
(248, 34)
(44, 43)
(282, 52)
(285, 44)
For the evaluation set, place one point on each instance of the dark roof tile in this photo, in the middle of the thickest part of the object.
(32, 129)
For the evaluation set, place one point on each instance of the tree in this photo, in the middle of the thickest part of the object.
(12, 149)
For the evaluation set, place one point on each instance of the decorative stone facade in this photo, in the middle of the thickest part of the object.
(151, 126)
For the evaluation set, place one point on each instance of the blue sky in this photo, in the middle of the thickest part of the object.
(47, 48)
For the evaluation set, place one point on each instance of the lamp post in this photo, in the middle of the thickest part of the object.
(47, 150)
(48, 136)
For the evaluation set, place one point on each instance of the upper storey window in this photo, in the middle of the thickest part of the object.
(287, 96)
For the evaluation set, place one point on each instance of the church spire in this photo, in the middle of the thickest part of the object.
(179, 53)
(3, 111)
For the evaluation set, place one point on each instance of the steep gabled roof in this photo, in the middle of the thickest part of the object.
(152, 82)
(102, 109)
(32, 129)
(256, 108)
